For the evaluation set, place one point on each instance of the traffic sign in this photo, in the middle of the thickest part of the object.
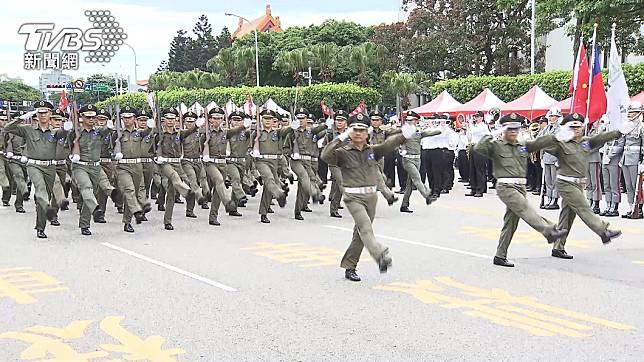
(99, 87)
(79, 84)
(88, 87)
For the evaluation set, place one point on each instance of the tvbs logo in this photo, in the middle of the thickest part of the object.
(40, 36)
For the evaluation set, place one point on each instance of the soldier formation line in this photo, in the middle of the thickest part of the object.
(220, 159)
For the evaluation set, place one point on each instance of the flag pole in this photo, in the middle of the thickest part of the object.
(575, 72)
(592, 70)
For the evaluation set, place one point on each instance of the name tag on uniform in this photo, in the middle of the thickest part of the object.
(51, 138)
(274, 136)
(523, 149)
(371, 157)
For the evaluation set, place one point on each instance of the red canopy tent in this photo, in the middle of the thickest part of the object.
(564, 105)
(638, 97)
(440, 104)
(482, 102)
(535, 103)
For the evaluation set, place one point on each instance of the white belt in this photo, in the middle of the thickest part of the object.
(361, 190)
(577, 180)
(59, 162)
(146, 160)
(87, 163)
(129, 160)
(15, 158)
(191, 159)
(215, 160)
(236, 159)
(632, 148)
(412, 156)
(512, 180)
(314, 159)
(270, 157)
(105, 160)
(171, 160)
(39, 162)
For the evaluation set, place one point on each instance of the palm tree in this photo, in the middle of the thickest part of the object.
(324, 57)
(159, 81)
(359, 61)
(224, 64)
(403, 84)
(292, 63)
(245, 59)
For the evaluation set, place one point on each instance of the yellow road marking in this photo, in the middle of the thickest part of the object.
(20, 284)
(305, 256)
(530, 237)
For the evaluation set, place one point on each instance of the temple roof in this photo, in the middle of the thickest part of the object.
(263, 24)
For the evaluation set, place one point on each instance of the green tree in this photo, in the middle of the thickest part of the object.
(224, 64)
(293, 62)
(179, 58)
(18, 91)
(245, 58)
(403, 84)
(324, 59)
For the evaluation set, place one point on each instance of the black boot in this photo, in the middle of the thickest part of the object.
(169, 227)
(128, 228)
(264, 219)
(85, 232)
(214, 222)
(299, 216)
(502, 262)
(336, 214)
(191, 214)
(405, 209)
(351, 275)
(41, 234)
(615, 211)
(561, 254)
(596, 208)
(606, 211)
(608, 235)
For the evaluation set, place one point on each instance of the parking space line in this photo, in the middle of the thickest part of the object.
(172, 268)
(417, 243)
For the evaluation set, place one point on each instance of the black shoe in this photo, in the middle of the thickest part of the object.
(55, 222)
(41, 234)
(560, 254)
(86, 232)
(64, 205)
(205, 206)
(202, 200)
(161, 207)
(144, 218)
(230, 206)
(321, 199)
(340, 207)
(429, 199)
(139, 216)
(627, 215)
(405, 209)
(351, 275)
(191, 215)
(98, 217)
(400, 192)
(20, 209)
(234, 213)
(384, 263)
(298, 217)
(260, 181)
(177, 200)
(502, 262)
(253, 192)
(596, 210)
(444, 191)
(128, 228)
(612, 213)
(116, 196)
(169, 227)
(147, 208)
(282, 200)
(336, 215)
(228, 183)
(306, 209)
(536, 192)
(322, 186)
(214, 222)
(153, 196)
(241, 203)
(25, 196)
(270, 211)
(264, 219)
(478, 195)
(470, 194)
(291, 179)
(492, 187)
(608, 235)
(555, 234)
(392, 200)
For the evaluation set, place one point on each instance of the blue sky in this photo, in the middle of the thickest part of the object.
(151, 25)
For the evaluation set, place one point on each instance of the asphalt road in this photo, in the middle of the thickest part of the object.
(246, 291)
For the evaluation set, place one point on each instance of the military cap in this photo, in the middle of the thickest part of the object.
(479, 114)
(285, 116)
(104, 113)
(512, 120)
(190, 116)
(301, 112)
(59, 114)
(340, 114)
(359, 121)
(144, 114)
(170, 113)
(3, 114)
(412, 115)
(88, 110)
(635, 106)
(376, 115)
(129, 111)
(43, 106)
(573, 120)
(216, 111)
(238, 115)
(267, 113)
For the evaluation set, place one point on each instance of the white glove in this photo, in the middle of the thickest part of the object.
(627, 127)
(109, 124)
(24, 159)
(295, 124)
(557, 164)
(370, 130)
(564, 134)
(68, 125)
(9, 154)
(344, 135)
(408, 130)
(321, 143)
(150, 123)
(200, 122)
(75, 158)
(255, 153)
(206, 158)
(248, 122)
(402, 152)
(605, 160)
(227, 152)
(497, 132)
(118, 156)
(296, 156)
(329, 122)
(640, 168)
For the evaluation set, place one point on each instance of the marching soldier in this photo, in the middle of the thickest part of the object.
(377, 136)
(313, 147)
(4, 180)
(215, 164)
(633, 156)
(191, 162)
(147, 150)
(571, 149)
(335, 195)
(509, 162)
(59, 201)
(107, 178)
(169, 161)
(356, 161)
(549, 162)
(410, 150)
(478, 163)
(15, 146)
(129, 169)
(267, 153)
(236, 162)
(594, 188)
(41, 147)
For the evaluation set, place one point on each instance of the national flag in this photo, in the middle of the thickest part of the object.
(617, 97)
(325, 108)
(361, 108)
(249, 106)
(230, 107)
(597, 95)
(579, 82)
(63, 103)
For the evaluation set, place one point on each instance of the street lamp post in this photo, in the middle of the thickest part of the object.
(136, 78)
(256, 48)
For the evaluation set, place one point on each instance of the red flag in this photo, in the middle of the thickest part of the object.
(597, 96)
(361, 108)
(63, 102)
(579, 82)
(325, 109)
(249, 106)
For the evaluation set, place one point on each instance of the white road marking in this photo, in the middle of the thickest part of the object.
(173, 268)
(417, 243)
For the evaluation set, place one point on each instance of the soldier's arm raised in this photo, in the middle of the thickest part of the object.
(600, 139)
(388, 146)
(318, 129)
(16, 127)
(541, 142)
(485, 146)
(329, 154)
(235, 130)
(187, 132)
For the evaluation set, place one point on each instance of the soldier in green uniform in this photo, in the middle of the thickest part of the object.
(335, 194)
(129, 169)
(169, 161)
(377, 136)
(314, 151)
(214, 160)
(15, 147)
(107, 178)
(410, 151)
(191, 162)
(267, 152)
(4, 180)
(144, 120)
(59, 201)
(510, 163)
(236, 162)
(41, 147)
(571, 149)
(357, 162)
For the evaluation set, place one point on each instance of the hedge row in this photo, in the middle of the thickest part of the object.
(339, 96)
(510, 88)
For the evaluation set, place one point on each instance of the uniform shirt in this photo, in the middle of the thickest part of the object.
(412, 145)
(476, 131)
(613, 151)
(192, 145)
(573, 155)
(594, 155)
(39, 144)
(508, 159)
(219, 140)
(239, 144)
(358, 167)
(462, 142)
(62, 147)
(108, 145)
(271, 142)
(430, 143)
(16, 144)
(91, 142)
(299, 141)
(148, 145)
(171, 142)
(131, 142)
(312, 143)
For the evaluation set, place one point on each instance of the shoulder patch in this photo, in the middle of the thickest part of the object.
(371, 156)
(585, 145)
